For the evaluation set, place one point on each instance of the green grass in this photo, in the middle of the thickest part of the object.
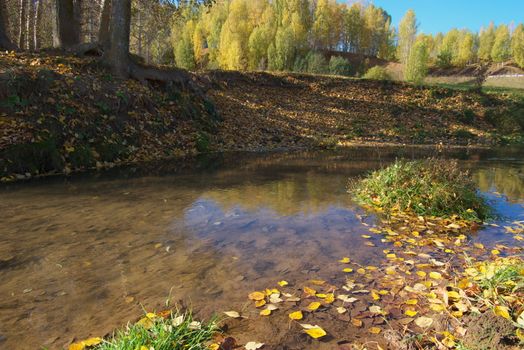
(176, 332)
(429, 188)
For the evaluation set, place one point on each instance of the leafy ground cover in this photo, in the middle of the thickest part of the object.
(430, 187)
(60, 114)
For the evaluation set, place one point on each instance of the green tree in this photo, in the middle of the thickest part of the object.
(417, 66)
(407, 33)
(449, 48)
(466, 49)
(501, 50)
(517, 45)
(339, 66)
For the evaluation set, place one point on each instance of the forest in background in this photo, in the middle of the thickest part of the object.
(275, 35)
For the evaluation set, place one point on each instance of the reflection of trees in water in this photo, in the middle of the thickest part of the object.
(506, 180)
(306, 192)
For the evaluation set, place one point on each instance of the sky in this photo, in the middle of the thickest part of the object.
(441, 15)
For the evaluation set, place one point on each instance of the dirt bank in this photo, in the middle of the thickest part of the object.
(62, 114)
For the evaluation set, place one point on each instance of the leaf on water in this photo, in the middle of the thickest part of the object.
(310, 291)
(356, 322)
(260, 303)
(253, 345)
(346, 298)
(256, 296)
(271, 307)
(313, 306)
(424, 322)
(313, 331)
(265, 312)
(297, 315)
(495, 252)
(232, 314)
(375, 330)
(330, 298)
(318, 282)
(275, 299)
(283, 283)
(502, 311)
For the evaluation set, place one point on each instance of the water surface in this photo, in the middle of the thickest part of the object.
(80, 256)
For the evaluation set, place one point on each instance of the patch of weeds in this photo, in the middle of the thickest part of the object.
(81, 157)
(429, 187)
(439, 93)
(13, 102)
(203, 142)
(463, 134)
(467, 116)
(162, 332)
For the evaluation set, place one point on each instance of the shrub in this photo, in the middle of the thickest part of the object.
(339, 66)
(430, 188)
(316, 63)
(377, 73)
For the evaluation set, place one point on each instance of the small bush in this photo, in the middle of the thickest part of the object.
(377, 73)
(316, 63)
(339, 66)
(429, 188)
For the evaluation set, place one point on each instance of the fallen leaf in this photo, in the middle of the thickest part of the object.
(232, 314)
(253, 345)
(314, 305)
(297, 315)
(424, 322)
(256, 296)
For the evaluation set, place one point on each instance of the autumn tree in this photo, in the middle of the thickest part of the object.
(501, 50)
(517, 45)
(407, 33)
(486, 41)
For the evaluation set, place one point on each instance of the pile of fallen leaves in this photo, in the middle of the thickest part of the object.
(60, 114)
(427, 292)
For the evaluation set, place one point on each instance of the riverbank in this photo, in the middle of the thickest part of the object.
(64, 114)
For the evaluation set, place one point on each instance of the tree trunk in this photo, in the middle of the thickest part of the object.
(117, 56)
(30, 25)
(105, 18)
(5, 42)
(38, 13)
(22, 24)
(66, 29)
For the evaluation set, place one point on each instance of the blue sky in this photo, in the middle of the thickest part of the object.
(441, 15)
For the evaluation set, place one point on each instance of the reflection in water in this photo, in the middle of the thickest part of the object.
(79, 257)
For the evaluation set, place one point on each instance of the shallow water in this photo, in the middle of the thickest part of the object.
(81, 256)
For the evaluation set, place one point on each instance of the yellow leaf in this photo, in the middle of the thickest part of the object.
(411, 313)
(365, 236)
(437, 307)
(318, 282)
(214, 346)
(361, 271)
(77, 346)
(348, 270)
(391, 256)
(502, 311)
(495, 252)
(479, 245)
(375, 295)
(435, 275)
(257, 296)
(283, 283)
(330, 298)
(313, 306)
(265, 312)
(310, 291)
(356, 322)
(260, 303)
(375, 330)
(421, 274)
(315, 332)
(297, 315)
(412, 302)
(345, 260)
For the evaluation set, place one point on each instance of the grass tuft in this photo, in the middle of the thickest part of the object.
(173, 332)
(429, 187)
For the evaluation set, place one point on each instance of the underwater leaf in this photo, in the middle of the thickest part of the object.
(314, 331)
